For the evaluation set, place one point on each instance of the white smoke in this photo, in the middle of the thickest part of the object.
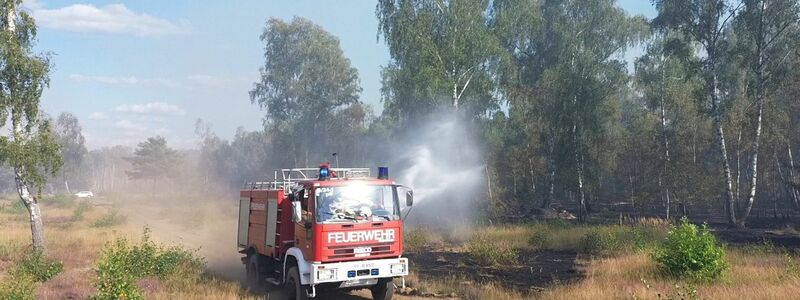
(442, 162)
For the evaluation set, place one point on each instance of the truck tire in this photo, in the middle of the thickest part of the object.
(383, 290)
(294, 289)
(255, 276)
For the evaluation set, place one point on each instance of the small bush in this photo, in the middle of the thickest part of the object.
(16, 207)
(80, 209)
(539, 240)
(38, 267)
(600, 242)
(18, 287)
(487, 252)
(415, 240)
(123, 263)
(113, 218)
(792, 266)
(691, 252)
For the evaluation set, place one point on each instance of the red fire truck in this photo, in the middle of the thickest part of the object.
(324, 228)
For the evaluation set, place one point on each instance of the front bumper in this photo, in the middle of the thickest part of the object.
(358, 271)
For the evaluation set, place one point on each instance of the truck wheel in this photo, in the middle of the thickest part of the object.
(384, 290)
(295, 290)
(255, 276)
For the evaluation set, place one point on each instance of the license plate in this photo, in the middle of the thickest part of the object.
(362, 250)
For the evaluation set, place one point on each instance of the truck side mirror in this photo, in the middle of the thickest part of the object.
(410, 198)
(297, 212)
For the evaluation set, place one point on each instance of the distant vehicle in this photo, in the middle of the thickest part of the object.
(84, 194)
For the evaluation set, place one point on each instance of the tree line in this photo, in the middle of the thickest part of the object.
(704, 117)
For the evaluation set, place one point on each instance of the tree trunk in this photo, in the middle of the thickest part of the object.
(455, 95)
(666, 138)
(723, 151)
(579, 169)
(552, 178)
(760, 90)
(31, 203)
(794, 190)
(37, 227)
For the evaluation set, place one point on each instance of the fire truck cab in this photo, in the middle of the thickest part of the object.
(322, 228)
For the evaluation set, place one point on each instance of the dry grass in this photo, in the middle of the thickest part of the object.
(78, 244)
(635, 277)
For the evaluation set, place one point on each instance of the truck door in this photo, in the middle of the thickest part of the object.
(303, 230)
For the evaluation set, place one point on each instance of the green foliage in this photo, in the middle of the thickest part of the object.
(153, 159)
(82, 207)
(17, 287)
(691, 252)
(16, 207)
(38, 267)
(443, 57)
(598, 242)
(488, 252)
(609, 240)
(305, 79)
(23, 76)
(112, 218)
(123, 263)
(69, 135)
(415, 240)
(32, 268)
(539, 240)
(792, 266)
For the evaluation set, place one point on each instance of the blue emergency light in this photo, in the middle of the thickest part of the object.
(383, 173)
(324, 173)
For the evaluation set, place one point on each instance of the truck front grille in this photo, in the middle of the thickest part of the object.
(340, 252)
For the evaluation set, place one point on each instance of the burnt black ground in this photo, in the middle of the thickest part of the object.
(534, 270)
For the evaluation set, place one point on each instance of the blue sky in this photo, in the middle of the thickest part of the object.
(133, 69)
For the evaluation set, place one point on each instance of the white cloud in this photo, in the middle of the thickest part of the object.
(124, 80)
(130, 125)
(111, 18)
(98, 116)
(151, 108)
(215, 81)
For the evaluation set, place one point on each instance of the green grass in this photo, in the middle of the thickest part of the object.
(599, 240)
(486, 251)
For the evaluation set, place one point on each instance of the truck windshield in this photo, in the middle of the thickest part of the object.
(357, 202)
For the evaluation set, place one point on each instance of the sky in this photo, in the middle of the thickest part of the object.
(135, 69)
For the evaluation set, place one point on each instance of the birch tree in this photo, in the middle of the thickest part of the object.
(705, 21)
(442, 54)
(764, 25)
(30, 149)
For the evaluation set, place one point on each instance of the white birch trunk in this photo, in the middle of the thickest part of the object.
(37, 227)
(760, 82)
(720, 137)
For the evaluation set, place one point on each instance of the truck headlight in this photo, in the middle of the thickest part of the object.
(326, 274)
(397, 268)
